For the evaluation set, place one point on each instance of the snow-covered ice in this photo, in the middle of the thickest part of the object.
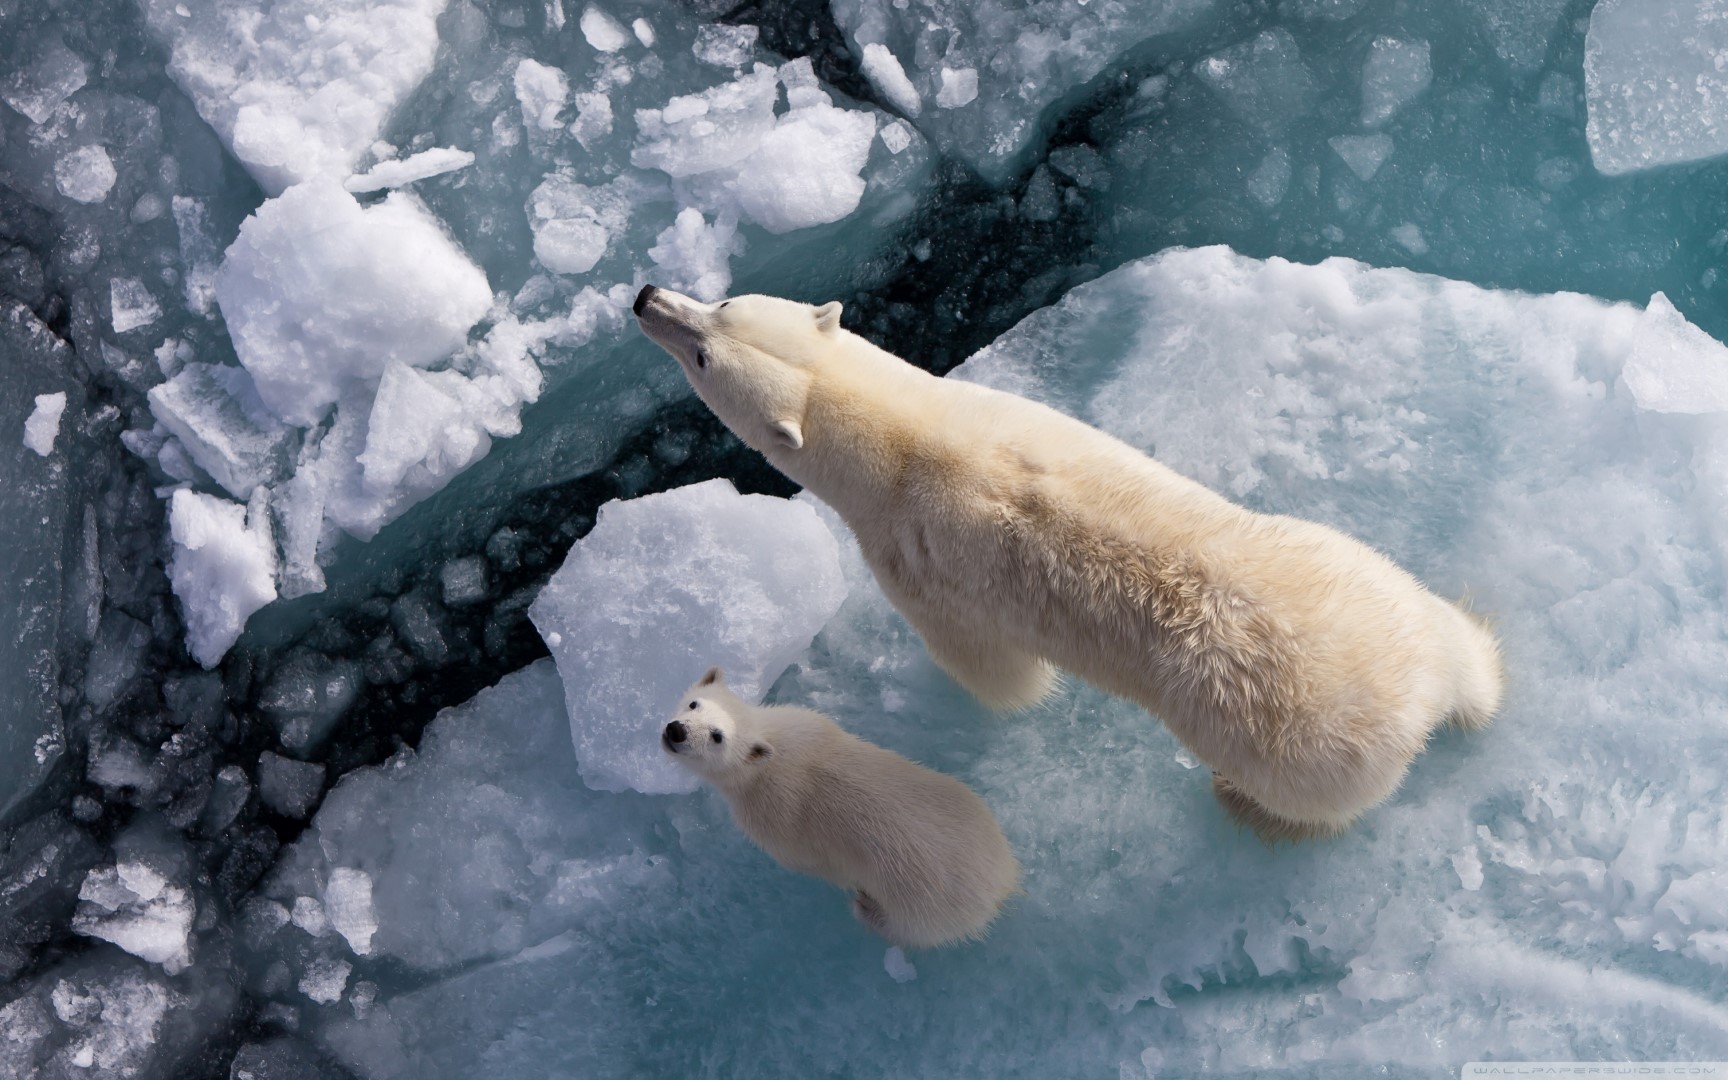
(664, 587)
(223, 568)
(1656, 82)
(400, 173)
(42, 426)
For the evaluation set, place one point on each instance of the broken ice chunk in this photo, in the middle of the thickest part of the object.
(574, 224)
(140, 910)
(664, 586)
(602, 30)
(216, 413)
(1656, 83)
(422, 166)
(694, 257)
(317, 292)
(698, 133)
(348, 903)
(883, 70)
(325, 980)
(297, 90)
(542, 92)
(287, 786)
(1271, 179)
(1395, 73)
(593, 119)
(42, 427)
(1675, 367)
(306, 696)
(1262, 80)
(131, 305)
(1363, 153)
(959, 88)
(464, 581)
(85, 175)
(199, 255)
(725, 46)
(37, 89)
(223, 568)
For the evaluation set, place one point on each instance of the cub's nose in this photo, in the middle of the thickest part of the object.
(675, 732)
(642, 299)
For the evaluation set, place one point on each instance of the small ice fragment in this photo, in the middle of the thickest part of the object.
(1363, 153)
(959, 88)
(85, 175)
(43, 425)
(883, 70)
(1268, 182)
(644, 31)
(725, 46)
(325, 980)
(898, 967)
(424, 165)
(603, 31)
(464, 581)
(287, 786)
(1395, 73)
(593, 119)
(136, 908)
(1409, 236)
(1187, 760)
(1468, 864)
(309, 916)
(348, 903)
(131, 305)
(223, 568)
(896, 136)
(542, 92)
(37, 89)
(695, 256)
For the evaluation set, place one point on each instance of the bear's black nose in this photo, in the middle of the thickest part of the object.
(676, 732)
(642, 298)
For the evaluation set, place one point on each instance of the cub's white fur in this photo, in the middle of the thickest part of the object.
(1304, 667)
(922, 855)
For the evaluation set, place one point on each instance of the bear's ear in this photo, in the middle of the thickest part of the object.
(712, 676)
(828, 316)
(788, 434)
(760, 752)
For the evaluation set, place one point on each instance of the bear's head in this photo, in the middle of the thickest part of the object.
(709, 734)
(751, 359)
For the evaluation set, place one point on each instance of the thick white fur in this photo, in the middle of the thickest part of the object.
(1304, 667)
(925, 861)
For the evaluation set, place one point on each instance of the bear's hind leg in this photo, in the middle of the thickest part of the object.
(1269, 827)
(999, 675)
(867, 911)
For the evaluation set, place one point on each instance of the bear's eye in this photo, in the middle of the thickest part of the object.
(701, 358)
(717, 737)
(692, 704)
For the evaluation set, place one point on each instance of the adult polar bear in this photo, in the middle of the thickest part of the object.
(1304, 667)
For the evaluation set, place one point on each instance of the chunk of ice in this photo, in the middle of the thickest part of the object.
(1656, 83)
(223, 568)
(883, 70)
(694, 256)
(42, 426)
(725, 46)
(140, 910)
(287, 786)
(1395, 73)
(297, 89)
(542, 91)
(216, 413)
(1363, 153)
(85, 175)
(39, 87)
(575, 224)
(602, 31)
(131, 305)
(959, 88)
(319, 292)
(348, 903)
(422, 166)
(1262, 80)
(664, 586)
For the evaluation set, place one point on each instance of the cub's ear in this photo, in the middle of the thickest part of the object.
(760, 751)
(712, 676)
(828, 316)
(789, 434)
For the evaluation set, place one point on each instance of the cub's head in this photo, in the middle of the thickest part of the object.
(709, 733)
(751, 359)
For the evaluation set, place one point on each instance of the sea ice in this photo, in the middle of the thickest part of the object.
(422, 166)
(216, 413)
(85, 175)
(996, 68)
(298, 89)
(318, 292)
(542, 91)
(38, 88)
(1656, 83)
(223, 568)
(1262, 80)
(140, 910)
(1395, 73)
(287, 786)
(665, 586)
(42, 426)
(1363, 153)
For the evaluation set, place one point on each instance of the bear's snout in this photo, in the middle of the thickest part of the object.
(674, 734)
(642, 299)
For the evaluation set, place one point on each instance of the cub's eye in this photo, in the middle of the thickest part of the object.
(701, 358)
(723, 303)
(717, 737)
(692, 704)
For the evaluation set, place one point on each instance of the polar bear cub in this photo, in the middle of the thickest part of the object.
(1306, 668)
(922, 855)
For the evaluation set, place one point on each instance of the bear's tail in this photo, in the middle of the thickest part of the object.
(1480, 676)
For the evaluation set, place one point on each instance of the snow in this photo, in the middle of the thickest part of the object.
(42, 426)
(223, 568)
(300, 89)
(319, 292)
(663, 588)
(1655, 82)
